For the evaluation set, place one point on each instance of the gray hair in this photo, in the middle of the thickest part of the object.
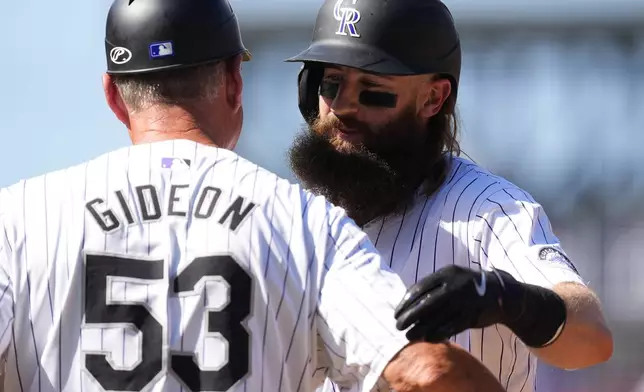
(184, 86)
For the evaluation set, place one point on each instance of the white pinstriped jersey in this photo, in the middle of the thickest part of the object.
(175, 266)
(475, 220)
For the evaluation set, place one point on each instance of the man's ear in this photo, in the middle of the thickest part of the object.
(432, 99)
(114, 100)
(234, 82)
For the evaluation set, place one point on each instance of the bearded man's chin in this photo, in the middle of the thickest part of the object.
(358, 180)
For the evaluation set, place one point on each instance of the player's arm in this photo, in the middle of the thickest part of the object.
(529, 285)
(519, 239)
(585, 339)
(357, 296)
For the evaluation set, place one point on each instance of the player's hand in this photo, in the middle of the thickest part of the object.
(450, 301)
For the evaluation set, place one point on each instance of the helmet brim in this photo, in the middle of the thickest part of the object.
(358, 56)
(246, 56)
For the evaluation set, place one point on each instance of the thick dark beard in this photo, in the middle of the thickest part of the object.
(377, 179)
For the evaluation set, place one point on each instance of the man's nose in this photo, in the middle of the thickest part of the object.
(346, 101)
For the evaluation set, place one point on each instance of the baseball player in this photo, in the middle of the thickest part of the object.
(378, 91)
(176, 265)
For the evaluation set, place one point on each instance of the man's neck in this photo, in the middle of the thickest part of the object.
(168, 123)
(151, 136)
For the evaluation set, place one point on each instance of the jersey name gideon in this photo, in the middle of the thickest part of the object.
(147, 207)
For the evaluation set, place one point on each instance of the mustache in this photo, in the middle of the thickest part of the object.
(337, 122)
(351, 123)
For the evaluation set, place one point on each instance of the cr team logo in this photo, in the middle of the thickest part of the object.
(348, 17)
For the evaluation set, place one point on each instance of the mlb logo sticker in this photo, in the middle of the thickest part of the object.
(161, 49)
(175, 163)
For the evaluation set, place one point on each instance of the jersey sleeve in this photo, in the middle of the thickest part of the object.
(356, 302)
(6, 286)
(516, 236)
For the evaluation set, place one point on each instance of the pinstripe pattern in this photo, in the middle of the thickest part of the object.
(475, 220)
(317, 303)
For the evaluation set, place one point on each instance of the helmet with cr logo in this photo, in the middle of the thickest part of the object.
(391, 37)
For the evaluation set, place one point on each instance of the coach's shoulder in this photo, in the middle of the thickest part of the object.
(10, 194)
(314, 210)
(280, 196)
(265, 184)
(9, 203)
(5, 199)
(57, 178)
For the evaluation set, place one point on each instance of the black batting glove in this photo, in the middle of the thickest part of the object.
(450, 301)
(455, 299)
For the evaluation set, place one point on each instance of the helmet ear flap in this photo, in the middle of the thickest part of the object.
(308, 82)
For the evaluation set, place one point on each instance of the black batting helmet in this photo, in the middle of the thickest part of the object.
(392, 37)
(152, 35)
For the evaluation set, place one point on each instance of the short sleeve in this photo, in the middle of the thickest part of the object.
(356, 302)
(6, 287)
(516, 236)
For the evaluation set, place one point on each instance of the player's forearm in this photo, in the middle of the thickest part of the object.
(585, 339)
(443, 367)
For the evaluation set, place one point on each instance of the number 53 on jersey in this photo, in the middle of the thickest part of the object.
(109, 309)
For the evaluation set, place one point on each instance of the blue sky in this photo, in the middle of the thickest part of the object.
(52, 106)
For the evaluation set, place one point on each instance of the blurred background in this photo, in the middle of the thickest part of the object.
(551, 96)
